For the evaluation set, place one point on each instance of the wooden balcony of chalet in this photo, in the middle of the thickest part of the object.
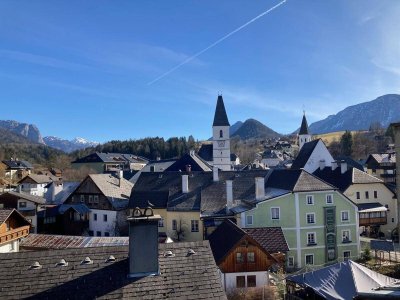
(14, 234)
(373, 218)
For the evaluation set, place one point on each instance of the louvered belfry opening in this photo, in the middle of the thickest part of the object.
(143, 243)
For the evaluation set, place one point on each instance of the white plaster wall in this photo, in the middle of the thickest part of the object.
(12, 246)
(34, 189)
(100, 225)
(229, 279)
(29, 206)
(320, 153)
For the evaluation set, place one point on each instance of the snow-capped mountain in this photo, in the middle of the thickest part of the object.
(68, 145)
(384, 109)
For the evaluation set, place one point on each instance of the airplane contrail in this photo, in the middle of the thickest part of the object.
(216, 43)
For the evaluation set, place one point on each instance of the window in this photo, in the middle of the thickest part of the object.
(309, 259)
(195, 225)
(152, 168)
(96, 199)
(366, 195)
(90, 232)
(345, 216)
(392, 220)
(311, 240)
(251, 280)
(98, 233)
(346, 255)
(310, 199)
(221, 134)
(239, 257)
(290, 261)
(240, 281)
(376, 194)
(329, 199)
(22, 204)
(250, 257)
(174, 225)
(82, 198)
(275, 213)
(106, 233)
(161, 223)
(90, 198)
(105, 218)
(358, 195)
(311, 218)
(95, 217)
(249, 220)
(346, 236)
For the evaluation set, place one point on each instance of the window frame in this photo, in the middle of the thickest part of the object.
(252, 282)
(344, 256)
(349, 236)
(358, 195)
(305, 259)
(314, 234)
(279, 213)
(174, 224)
(90, 198)
(366, 195)
(290, 261)
(82, 198)
(239, 258)
(348, 216)
(24, 204)
(105, 218)
(375, 194)
(253, 254)
(194, 226)
(312, 199)
(161, 222)
(97, 233)
(311, 214)
(247, 219)
(96, 199)
(326, 198)
(242, 279)
(95, 217)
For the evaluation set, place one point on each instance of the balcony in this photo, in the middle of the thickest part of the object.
(373, 221)
(14, 234)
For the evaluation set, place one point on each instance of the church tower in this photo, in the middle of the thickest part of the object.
(221, 141)
(304, 133)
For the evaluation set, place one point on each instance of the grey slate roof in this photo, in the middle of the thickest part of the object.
(304, 126)
(304, 154)
(79, 208)
(195, 161)
(68, 189)
(363, 206)
(206, 153)
(4, 214)
(39, 178)
(350, 162)
(108, 157)
(182, 276)
(383, 157)
(29, 197)
(17, 164)
(296, 181)
(220, 117)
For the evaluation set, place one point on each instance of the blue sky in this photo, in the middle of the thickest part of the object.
(82, 68)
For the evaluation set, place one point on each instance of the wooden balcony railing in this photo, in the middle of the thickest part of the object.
(373, 221)
(14, 234)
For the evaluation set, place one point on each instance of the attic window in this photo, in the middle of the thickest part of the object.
(87, 261)
(191, 252)
(62, 263)
(111, 258)
(35, 266)
(169, 254)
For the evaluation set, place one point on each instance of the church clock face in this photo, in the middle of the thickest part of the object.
(221, 143)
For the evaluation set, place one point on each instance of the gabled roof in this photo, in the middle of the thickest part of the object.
(181, 276)
(270, 238)
(343, 181)
(382, 158)
(304, 154)
(79, 208)
(107, 157)
(304, 126)
(220, 117)
(17, 164)
(350, 162)
(195, 161)
(67, 190)
(206, 152)
(116, 190)
(5, 214)
(39, 178)
(296, 181)
(28, 197)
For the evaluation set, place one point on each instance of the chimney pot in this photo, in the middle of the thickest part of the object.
(188, 168)
(334, 165)
(321, 164)
(260, 188)
(185, 184)
(343, 167)
(215, 174)
(229, 194)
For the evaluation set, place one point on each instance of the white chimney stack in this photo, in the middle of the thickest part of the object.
(120, 176)
(334, 165)
(229, 194)
(260, 188)
(343, 167)
(185, 184)
(215, 174)
(321, 164)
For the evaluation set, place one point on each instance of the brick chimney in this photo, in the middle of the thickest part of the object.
(260, 188)
(143, 243)
(185, 184)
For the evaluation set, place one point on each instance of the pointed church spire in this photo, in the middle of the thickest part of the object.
(304, 126)
(220, 117)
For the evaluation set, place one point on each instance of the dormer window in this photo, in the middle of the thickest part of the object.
(221, 134)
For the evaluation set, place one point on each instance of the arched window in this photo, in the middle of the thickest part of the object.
(221, 134)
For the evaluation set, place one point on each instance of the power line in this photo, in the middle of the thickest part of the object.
(215, 43)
